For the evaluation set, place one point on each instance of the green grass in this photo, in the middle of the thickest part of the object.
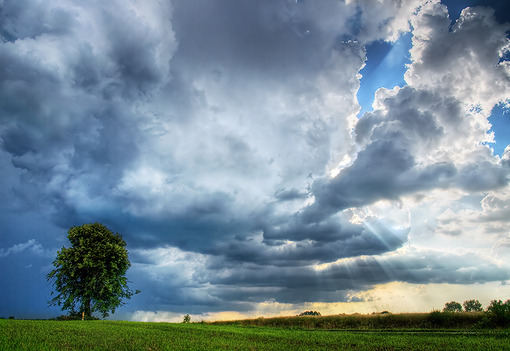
(109, 335)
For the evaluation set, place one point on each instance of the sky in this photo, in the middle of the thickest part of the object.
(260, 158)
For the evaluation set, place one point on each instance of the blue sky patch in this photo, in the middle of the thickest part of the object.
(385, 67)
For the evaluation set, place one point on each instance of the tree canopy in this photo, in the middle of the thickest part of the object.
(499, 312)
(452, 306)
(472, 306)
(90, 276)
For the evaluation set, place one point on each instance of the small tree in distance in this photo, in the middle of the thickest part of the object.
(90, 275)
(452, 306)
(472, 306)
(309, 313)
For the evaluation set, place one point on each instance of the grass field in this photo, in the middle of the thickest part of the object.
(109, 335)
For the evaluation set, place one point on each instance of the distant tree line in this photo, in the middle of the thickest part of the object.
(469, 306)
(496, 314)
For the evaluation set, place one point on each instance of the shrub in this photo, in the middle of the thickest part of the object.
(437, 319)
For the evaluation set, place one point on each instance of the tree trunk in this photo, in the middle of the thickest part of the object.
(86, 307)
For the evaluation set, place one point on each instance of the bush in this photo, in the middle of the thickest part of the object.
(438, 319)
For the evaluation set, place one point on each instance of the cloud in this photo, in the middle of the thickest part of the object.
(65, 116)
(222, 141)
(31, 246)
(100, 103)
(302, 244)
(385, 20)
(406, 147)
(236, 286)
(464, 61)
(232, 135)
(238, 277)
(410, 143)
(486, 224)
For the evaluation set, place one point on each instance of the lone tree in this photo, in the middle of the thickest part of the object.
(90, 275)
(453, 306)
(472, 306)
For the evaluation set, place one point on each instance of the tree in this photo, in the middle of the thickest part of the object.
(499, 312)
(472, 306)
(90, 275)
(187, 319)
(309, 313)
(453, 306)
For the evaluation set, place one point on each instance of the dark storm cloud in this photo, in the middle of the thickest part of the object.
(268, 252)
(289, 194)
(257, 282)
(376, 174)
(205, 132)
(74, 109)
(316, 243)
(217, 47)
(389, 165)
(272, 38)
(67, 97)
